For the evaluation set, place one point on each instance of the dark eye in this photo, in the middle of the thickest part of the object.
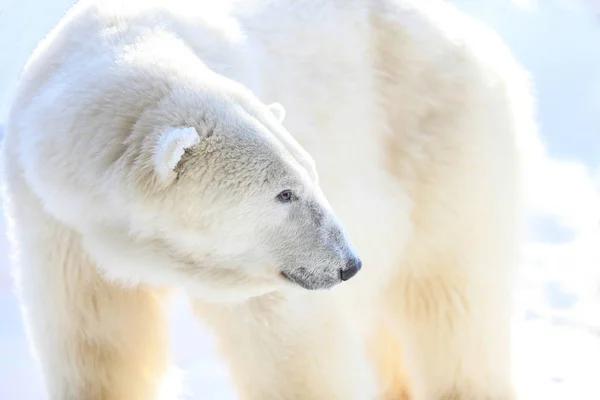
(286, 196)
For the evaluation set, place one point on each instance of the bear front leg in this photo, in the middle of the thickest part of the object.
(289, 346)
(93, 340)
(455, 336)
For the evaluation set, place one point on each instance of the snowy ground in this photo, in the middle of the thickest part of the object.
(558, 317)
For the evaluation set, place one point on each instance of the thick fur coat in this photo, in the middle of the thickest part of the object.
(146, 151)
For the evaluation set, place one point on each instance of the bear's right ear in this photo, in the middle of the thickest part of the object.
(170, 148)
(278, 111)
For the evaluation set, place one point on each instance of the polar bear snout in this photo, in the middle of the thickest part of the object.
(323, 262)
(353, 265)
(317, 279)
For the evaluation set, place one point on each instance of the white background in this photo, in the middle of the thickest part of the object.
(558, 319)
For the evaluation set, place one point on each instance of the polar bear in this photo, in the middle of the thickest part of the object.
(148, 150)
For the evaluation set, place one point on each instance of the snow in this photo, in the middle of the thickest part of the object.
(557, 322)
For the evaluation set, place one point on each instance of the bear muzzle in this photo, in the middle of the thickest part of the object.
(312, 280)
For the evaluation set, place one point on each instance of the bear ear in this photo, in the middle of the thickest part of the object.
(278, 111)
(170, 148)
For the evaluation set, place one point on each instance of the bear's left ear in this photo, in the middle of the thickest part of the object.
(278, 111)
(170, 148)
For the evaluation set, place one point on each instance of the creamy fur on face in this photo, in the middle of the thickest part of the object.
(199, 172)
(147, 148)
(230, 182)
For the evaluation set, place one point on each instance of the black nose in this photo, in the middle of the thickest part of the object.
(352, 267)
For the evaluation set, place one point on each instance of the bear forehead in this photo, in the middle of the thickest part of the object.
(243, 158)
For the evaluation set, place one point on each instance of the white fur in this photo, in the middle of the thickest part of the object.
(171, 146)
(278, 111)
(413, 115)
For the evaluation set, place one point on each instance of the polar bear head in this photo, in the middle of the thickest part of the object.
(226, 203)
